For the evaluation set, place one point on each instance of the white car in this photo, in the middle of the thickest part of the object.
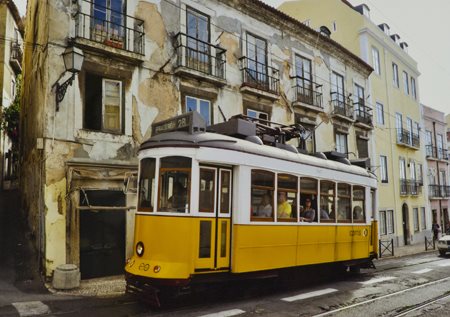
(443, 244)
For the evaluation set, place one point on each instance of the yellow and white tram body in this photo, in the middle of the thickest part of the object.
(216, 229)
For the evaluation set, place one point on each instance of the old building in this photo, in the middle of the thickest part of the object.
(437, 165)
(145, 62)
(399, 152)
(11, 46)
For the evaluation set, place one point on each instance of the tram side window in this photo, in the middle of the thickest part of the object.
(327, 201)
(263, 186)
(308, 200)
(287, 197)
(147, 184)
(344, 203)
(174, 184)
(359, 214)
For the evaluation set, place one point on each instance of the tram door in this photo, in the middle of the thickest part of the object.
(215, 223)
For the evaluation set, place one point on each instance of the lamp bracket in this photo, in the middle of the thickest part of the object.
(62, 88)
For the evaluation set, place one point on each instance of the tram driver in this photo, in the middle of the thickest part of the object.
(284, 209)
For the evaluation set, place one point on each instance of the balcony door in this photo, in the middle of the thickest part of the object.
(198, 38)
(108, 22)
(359, 101)
(409, 127)
(257, 60)
(399, 126)
(304, 79)
(337, 92)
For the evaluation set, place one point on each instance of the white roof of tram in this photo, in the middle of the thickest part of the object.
(220, 141)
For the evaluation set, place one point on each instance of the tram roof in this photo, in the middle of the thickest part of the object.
(219, 141)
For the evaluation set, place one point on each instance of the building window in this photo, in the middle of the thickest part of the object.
(419, 174)
(341, 143)
(383, 230)
(307, 136)
(416, 219)
(304, 78)
(424, 219)
(383, 169)
(257, 58)
(413, 88)
(337, 89)
(263, 117)
(376, 60)
(109, 21)
(197, 40)
(395, 75)
(362, 145)
(103, 105)
(380, 113)
(399, 126)
(406, 83)
(390, 221)
(402, 168)
(202, 106)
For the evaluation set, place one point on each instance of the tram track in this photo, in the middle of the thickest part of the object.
(401, 292)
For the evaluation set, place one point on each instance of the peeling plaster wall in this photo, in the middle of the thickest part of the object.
(151, 93)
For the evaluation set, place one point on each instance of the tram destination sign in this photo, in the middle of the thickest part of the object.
(191, 122)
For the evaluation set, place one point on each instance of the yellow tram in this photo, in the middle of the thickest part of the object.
(237, 200)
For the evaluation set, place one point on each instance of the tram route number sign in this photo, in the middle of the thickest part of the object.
(186, 122)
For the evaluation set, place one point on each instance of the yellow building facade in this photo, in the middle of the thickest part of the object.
(394, 100)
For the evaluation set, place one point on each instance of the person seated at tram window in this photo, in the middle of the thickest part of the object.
(324, 214)
(284, 209)
(358, 213)
(308, 213)
(178, 200)
(265, 208)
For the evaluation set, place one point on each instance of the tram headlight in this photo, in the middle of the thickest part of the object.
(140, 248)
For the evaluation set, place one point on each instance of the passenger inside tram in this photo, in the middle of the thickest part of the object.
(265, 207)
(284, 209)
(178, 200)
(307, 213)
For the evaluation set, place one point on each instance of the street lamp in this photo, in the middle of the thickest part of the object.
(73, 61)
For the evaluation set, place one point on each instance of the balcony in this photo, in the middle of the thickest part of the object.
(199, 59)
(259, 79)
(363, 115)
(439, 191)
(112, 29)
(410, 187)
(408, 139)
(436, 153)
(307, 94)
(15, 59)
(341, 108)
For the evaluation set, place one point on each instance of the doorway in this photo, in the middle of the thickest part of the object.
(405, 214)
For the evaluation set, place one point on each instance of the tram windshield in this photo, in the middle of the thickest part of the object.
(147, 184)
(174, 184)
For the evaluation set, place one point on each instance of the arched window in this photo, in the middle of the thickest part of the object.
(262, 202)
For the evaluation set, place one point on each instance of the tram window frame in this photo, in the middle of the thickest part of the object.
(331, 213)
(355, 198)
(291, 196)
(145, 171)
(201, 202)
(229, 191)
(309, 194)
(347, 196)
(188, 171)
(270, 190)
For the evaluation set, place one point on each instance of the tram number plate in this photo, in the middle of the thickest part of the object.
(174, 124)
(355, 233)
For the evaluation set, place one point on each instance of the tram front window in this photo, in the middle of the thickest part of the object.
(174, 184)
(147, 184)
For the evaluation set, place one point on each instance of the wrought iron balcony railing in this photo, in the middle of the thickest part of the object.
(16, 56)
(439, 191)
(341, 106)
(408, 138)
(363, 113)
(259, 76)
(306, 92)
(436, 152)
(200, 56)
(410, 187)
(112, 28)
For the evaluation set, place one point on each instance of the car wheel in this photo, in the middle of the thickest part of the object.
(442, 252)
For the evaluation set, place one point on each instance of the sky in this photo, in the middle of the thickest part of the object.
(422, 24)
